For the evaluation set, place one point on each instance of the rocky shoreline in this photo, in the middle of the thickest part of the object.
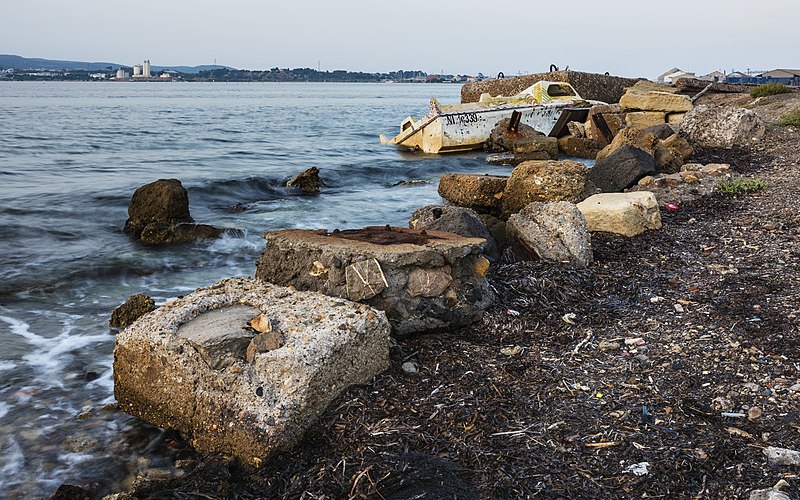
(666, 367)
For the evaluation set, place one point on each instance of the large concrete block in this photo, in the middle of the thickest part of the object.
(423, 280)
(197, 365)
(656, 101)
(481, 193)
(546, 180)
(555, 232)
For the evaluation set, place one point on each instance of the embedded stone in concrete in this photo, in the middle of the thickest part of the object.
(555, 232)
(182, 366)
(627, 214)
(423, 279)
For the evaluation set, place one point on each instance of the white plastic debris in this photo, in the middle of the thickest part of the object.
(640, 469)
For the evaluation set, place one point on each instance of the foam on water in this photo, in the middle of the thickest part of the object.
(7, 365)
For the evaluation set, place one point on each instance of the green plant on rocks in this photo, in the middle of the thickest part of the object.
(769, 89)
(791, 118)
(741, 185)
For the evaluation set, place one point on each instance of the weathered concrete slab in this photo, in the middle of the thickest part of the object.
(423, 280)
(627, 214)
(593, 86)
(194, 365)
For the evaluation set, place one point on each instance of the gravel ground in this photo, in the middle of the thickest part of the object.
(662, 371)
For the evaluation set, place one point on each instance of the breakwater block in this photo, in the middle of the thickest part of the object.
(422, 280)
(606, 88)
(245, 367)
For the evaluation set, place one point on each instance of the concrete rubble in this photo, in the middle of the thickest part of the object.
(422, 280)
(197, 366)
(554, 231)
(722, 126)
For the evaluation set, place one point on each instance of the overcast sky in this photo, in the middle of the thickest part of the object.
(624, 37)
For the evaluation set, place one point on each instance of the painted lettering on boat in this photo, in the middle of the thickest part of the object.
(461, 118)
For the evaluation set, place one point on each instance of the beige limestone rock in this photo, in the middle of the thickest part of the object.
(655, 101)
(675, 118)
(644, 119)
(638, 138)
(627, 214)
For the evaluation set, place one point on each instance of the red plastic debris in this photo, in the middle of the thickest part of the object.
(672, 207)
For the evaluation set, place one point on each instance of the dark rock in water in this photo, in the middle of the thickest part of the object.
(515, 159)
(165, 200)
(159, 233)
(414, 182)
(579, 147)
(137, 305)
(307, 182)
(661, 131)
(503, 139)
(71, 492)
(458, 220)
(622, 169)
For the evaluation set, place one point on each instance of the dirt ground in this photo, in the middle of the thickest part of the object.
(609, 382)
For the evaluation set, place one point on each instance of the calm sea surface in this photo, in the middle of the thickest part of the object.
(71, 155)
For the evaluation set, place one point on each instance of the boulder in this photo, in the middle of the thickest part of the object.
(457, 220)
(160, 233)
(721, 126)
(503, 139)
(638, 138)
(768, 494)
(555, 232)
(481, 193)
(622, 169)
(644, 119)
(668, 160)
(627, 214)
(577, 129)
(655, 101)
(423, 280)
(579, 147)
(184, 365)
(544, 181)
(307, 182)
(135, 306)
(679, 144)
(164, 200)
(662, 131)
(540, 144)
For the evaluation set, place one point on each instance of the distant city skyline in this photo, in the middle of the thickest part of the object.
(623, 37)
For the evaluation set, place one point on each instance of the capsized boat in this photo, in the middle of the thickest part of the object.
(462, 127)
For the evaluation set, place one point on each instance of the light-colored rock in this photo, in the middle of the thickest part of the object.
(644, 119)
(183, 366)
(555, 232)
(722, 126)
(638, 138)
(481, 193)
(544, 181)
(655, 101)
(782, 456)
(680, 145)
(675, 118)
(422, 279)
(627, 214)
(768, 494)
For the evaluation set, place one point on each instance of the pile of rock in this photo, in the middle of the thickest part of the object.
(525, 142)
(692, 182)
(159, 214)
(647, 104)
(586, 139)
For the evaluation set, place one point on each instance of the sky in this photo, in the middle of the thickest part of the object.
(624, 37)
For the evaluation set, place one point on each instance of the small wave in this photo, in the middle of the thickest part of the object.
(7, 365)
(14, 461)
(217, 139)
(4, 407)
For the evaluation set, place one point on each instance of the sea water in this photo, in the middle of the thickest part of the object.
(71, 155)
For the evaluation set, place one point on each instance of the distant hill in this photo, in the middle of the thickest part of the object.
(8, 61)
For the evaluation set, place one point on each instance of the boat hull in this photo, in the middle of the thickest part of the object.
(470, 129)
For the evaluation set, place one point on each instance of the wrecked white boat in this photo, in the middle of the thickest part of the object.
(462, 127)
